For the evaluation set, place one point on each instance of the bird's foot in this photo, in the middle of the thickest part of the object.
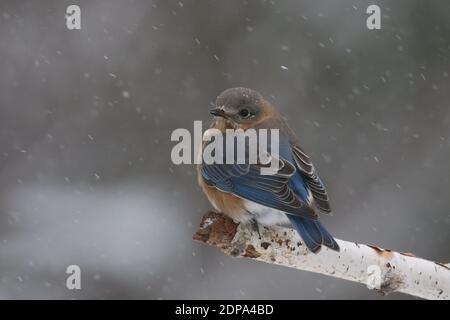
(256, 227)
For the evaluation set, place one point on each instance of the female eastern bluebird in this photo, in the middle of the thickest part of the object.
(290, 197)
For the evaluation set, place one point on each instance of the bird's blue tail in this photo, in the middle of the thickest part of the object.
(313, 233)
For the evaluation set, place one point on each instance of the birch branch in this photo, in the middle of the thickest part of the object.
(381, 269)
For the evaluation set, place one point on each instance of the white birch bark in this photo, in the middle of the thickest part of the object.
(380, 269)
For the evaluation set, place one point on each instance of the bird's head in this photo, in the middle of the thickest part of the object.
(242, 107)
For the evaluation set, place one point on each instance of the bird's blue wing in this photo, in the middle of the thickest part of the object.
(246, 181)
(306, 170)
(306, 183)
(297, 182)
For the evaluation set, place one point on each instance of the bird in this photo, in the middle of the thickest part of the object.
(290, 197)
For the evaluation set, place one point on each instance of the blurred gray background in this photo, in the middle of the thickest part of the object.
(86, 117)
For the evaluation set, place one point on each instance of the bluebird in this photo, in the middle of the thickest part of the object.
(291, 197)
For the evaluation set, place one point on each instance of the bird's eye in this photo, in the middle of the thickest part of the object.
(244, 113)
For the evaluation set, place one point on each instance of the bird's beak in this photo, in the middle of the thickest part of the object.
(218, 112)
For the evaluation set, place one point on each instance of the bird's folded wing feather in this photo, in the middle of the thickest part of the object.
(247, 182)
(313, 182)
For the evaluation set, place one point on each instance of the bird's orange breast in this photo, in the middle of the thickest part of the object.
(224, 202)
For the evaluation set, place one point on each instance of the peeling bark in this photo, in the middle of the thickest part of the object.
(380, 269)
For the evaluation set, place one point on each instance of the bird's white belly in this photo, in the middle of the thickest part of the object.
(265, 215)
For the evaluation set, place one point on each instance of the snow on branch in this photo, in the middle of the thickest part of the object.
(383, 270)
